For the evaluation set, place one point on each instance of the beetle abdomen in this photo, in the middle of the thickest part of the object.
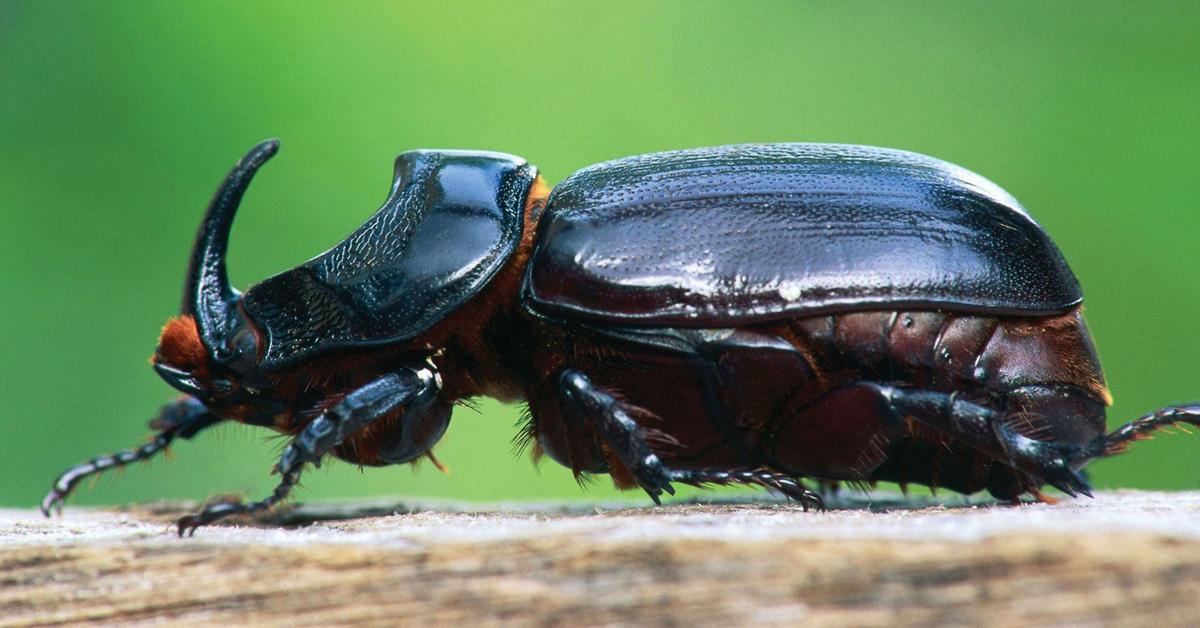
(1041, 375)
(738, 234)
(948, 351)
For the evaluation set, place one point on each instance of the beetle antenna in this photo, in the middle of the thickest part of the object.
(207, 294)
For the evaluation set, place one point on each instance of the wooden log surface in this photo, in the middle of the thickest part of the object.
(1124, 558)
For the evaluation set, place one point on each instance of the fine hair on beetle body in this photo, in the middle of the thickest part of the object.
(759, 314)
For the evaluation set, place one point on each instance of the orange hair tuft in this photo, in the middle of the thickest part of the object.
(179, 346)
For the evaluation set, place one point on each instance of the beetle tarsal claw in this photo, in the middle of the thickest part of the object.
(211, 513)
(1067, 480)
(52, 504)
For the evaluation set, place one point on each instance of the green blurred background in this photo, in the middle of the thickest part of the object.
(117, 121)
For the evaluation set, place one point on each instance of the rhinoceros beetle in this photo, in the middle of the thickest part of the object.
(752, 314)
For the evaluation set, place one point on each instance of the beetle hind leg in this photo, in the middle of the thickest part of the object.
(614, 420)
(1045, 462)
(1118, 440)
(1057, 464)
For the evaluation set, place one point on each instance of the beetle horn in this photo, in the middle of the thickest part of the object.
(207, 295)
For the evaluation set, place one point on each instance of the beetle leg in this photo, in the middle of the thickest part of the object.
(182, 418)
(705, 349)
(1119, 439)
(616, 424)
(1053, 463)
(786, 485)
(411, 388)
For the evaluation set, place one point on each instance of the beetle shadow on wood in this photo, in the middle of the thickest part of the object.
(300, 515)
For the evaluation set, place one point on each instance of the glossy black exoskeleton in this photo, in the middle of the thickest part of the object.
(766, 312)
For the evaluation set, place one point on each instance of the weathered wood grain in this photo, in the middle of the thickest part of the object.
(1121, 559)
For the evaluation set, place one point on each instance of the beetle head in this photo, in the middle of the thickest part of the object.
(184, 362)
(210, 351)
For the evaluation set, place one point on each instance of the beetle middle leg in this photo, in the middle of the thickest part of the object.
(413, 389)
(182, 418)
(614, 420)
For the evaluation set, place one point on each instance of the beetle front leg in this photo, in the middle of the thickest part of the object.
(615, 423)
(182, 418)
(413, 389)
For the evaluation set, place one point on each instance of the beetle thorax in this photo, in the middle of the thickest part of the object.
(484, 345)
